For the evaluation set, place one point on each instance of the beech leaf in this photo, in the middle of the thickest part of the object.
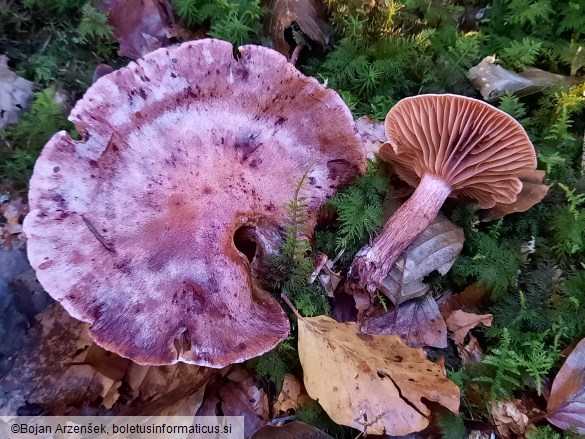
(309, 15)
(370, 382)
(418, 322)
(461, 322)
(436, 248)
(566, 404)
(15, 93)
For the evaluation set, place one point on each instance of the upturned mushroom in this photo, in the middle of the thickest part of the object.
(146, 228)
(445, 145)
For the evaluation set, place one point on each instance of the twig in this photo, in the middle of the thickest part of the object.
(295, 55)
(99, 237)
(583, 156)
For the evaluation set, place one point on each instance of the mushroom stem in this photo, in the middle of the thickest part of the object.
(373, 262)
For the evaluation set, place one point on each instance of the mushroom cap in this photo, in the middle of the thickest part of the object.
(475, 148)
(132, 228)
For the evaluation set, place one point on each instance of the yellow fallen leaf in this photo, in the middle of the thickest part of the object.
(370, 382)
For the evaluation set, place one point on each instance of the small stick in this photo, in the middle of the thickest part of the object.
(99, 237)
(583, 157)
(291, 306)
(295, 55)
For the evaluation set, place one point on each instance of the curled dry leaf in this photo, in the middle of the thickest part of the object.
(533, 191)
(11, 234)
(436, 248)
(461, 322)
(371, 133)
(493, 81)
(141, 26)
(15, 94)
(328, 278)
(50, 370)
(418, 322)
(309, 15)
(509, 418)
(292, 396)
(471, 353)
(370, 382)
(566, 405)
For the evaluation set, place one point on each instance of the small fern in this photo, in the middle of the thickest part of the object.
(359, 209)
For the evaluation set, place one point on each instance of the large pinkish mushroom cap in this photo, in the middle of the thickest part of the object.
(132, 229)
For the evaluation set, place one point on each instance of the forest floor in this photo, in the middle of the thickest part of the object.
(492, 299)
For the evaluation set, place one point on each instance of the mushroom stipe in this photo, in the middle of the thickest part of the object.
(132, 228)
(446, 145)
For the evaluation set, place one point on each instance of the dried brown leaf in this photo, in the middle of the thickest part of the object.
(566, 404)
(15, 94)
(436, 248)
(141, 26)
(292, 396)
(309, 15)
(370, 382)
(418, 322)
(509, 418)
(471, 353)
(493, 81)
(371, 133)
(533, 191)
(461, 322)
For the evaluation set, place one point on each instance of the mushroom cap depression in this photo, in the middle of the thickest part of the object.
(473, 147)
(132, 228)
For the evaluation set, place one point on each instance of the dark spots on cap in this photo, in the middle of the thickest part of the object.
(365, 337)
(398, 358)
(270, 207)
(207, 190)
(242, 346)
(280, 121)
(138, 115)
(123, 266)
(56, 169)
(173, 75)
(93, 163)
(174, 60)
(247, 144)
(193, 294)
(242, 73)
(142, 93)
(45, 265)
(312, 181)
(255, 163)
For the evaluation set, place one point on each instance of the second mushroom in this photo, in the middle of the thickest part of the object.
(445, 145)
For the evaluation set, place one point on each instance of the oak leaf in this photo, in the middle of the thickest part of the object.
(309, 15)
(461, 322)
(370, 382)
(566, 404)
(418, 322)
(436, 248)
